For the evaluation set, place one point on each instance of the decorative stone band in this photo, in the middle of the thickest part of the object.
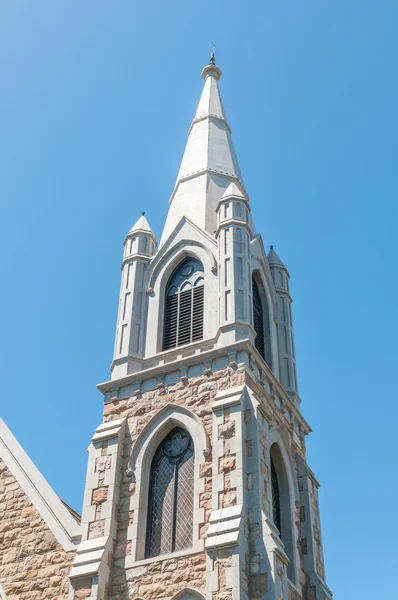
(90, 569)
(242, 354)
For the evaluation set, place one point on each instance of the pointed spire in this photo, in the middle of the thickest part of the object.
(141, 225)
(273, 259)
(209, 163)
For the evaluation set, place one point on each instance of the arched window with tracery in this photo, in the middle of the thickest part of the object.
(183, 319)
(170, 509)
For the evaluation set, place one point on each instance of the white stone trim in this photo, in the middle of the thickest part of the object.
(93, 555)
(3, 595)
(130, 562)
(224, 527)
(51, 509)
(89, 556)
(142, 453)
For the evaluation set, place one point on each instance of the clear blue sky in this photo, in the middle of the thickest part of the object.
(95, 106)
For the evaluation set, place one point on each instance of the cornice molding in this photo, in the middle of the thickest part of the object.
(195, 359)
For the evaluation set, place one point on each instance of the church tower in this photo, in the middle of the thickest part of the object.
(197, 483)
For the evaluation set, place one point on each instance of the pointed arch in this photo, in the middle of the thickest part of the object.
(188, 594)
(143, 452)
(184, 303)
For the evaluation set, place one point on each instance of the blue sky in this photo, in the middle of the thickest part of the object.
(96, 102)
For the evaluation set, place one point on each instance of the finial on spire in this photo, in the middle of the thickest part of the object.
(143, 213)
(211, 68)
(213, 57)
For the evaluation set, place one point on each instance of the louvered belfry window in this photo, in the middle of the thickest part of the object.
(258, 319)
(276, 501)
(183, 320)
(170, 512)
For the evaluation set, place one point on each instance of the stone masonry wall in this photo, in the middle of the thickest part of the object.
(32, 563)
(153, 579)
(157, 579)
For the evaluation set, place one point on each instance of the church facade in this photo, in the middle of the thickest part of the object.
(197, 482)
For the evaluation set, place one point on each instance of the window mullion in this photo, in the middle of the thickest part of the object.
(178, 318)
(174, 510)
(191, 323)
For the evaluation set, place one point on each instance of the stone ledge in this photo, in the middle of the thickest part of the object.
(107, 430)
(196, 549)
(224, 527)
(89, 557)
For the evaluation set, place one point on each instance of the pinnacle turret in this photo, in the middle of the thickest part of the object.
(273, 259)
(141, 225)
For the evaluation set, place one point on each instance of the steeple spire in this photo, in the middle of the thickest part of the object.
(209, 163)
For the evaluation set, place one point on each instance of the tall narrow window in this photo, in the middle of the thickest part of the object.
(276, 501)
(258, 319)
(282, 513)
(183, 319)
(170, 514)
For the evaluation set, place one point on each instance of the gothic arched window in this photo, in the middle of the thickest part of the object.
(282, 506)
(258, 319)
(183, 319)
(170, 513)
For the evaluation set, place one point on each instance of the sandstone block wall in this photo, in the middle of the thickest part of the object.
(32, 563)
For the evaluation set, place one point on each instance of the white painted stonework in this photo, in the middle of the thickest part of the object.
(2, 593)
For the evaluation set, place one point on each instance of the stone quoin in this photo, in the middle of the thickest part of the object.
(197, 482)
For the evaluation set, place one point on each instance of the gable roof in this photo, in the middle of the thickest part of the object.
(49, 506)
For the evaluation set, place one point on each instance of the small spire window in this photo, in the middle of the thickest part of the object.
(183, 319)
